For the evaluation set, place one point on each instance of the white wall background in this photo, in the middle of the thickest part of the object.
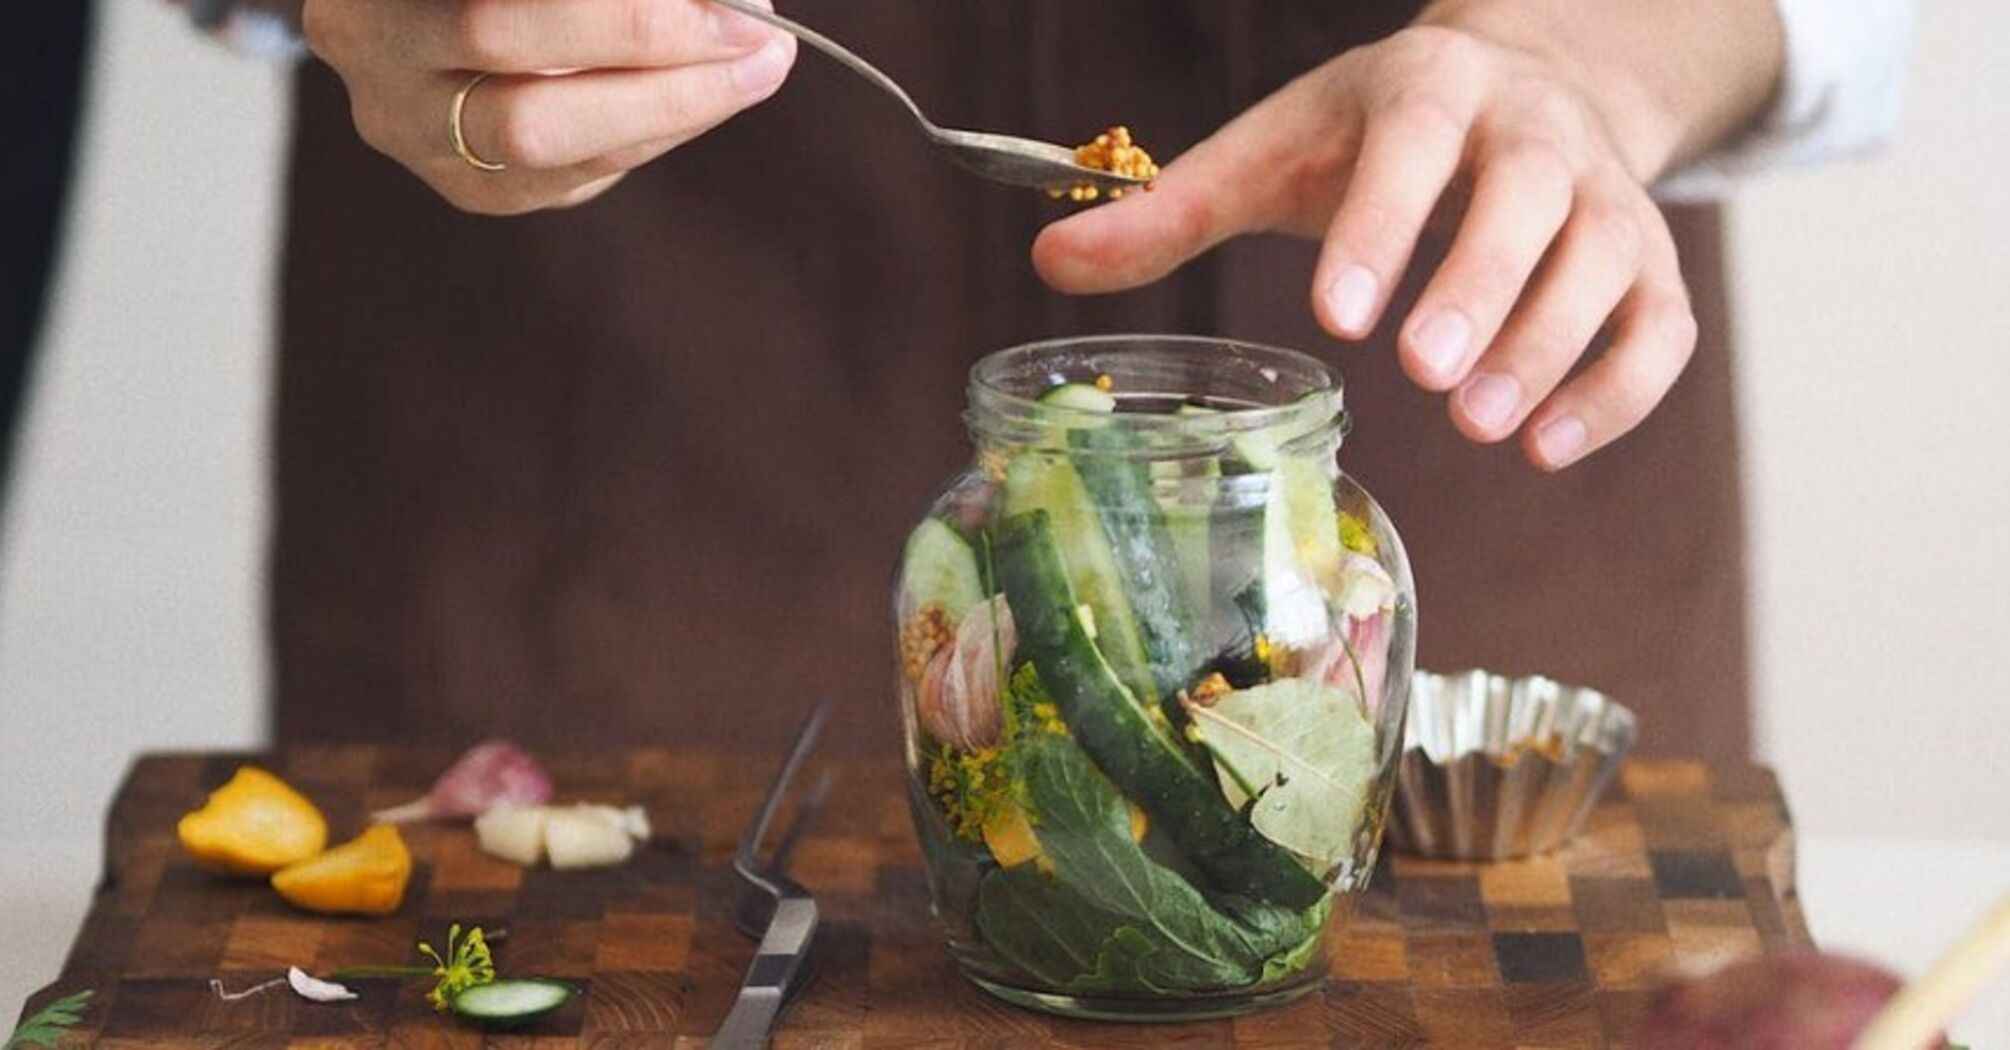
(1875, 316)
(1874, 306)
(129, 602)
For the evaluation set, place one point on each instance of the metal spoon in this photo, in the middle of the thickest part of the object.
(1008, 159)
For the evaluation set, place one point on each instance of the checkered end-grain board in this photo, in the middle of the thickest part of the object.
(1682, 863)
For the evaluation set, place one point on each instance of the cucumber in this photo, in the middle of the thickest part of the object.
(1130, 739)
(939, 567)
(510, 1003)
(1194, 487)
(1148, 562)
(1301, 551)
(1190, 490)
(1082, 397)
(1047, 482)
(1114, 541)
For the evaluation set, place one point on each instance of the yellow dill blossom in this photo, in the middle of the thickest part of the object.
(465, 964)
(1355, 534)
(968, 786)
(1047, 718)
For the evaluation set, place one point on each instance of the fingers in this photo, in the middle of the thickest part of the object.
(1521, 198)
(1590, 267)
(529, 36)
(550, 122)
(1241, 179)
(1655, 337)
(1409, 154)
(577, 92)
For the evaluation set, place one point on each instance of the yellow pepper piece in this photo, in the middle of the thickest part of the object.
(1009, 836)
(364, 876)
(253, 825)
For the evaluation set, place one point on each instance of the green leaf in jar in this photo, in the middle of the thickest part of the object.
(1306, 751)
(1108, 917)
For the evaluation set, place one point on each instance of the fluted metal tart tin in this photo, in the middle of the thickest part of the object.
(1496, 767)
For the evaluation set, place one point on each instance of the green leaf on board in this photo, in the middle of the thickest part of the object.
(49, 1025)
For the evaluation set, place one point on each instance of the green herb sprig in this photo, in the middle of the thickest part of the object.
(465, 964)
(51, 1023)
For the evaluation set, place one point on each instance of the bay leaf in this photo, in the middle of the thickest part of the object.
(1305, 751)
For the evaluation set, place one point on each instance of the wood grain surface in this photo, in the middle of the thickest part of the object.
(1681, 864)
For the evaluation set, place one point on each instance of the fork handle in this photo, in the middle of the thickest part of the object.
(769, 977)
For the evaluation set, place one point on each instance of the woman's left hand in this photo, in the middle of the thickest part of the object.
(1556, 235)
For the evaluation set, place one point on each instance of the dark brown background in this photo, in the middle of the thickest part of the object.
(637, 472)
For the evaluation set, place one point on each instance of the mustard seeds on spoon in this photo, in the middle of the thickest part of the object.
(1112, 151)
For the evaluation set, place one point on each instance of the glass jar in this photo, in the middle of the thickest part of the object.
(1155, 651)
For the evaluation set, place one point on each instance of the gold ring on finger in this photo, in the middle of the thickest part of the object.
(459, 137)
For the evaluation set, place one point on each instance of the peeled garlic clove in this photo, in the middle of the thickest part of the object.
(312, 988)
(586, 837)
(514, 833)
(1365, 587)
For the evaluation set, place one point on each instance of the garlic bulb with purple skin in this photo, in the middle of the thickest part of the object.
(960, 691)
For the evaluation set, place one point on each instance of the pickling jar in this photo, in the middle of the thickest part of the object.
(1154, 655)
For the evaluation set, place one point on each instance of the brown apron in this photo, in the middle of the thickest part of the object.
(637, 472)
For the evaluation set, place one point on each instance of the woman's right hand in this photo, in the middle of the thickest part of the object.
(578, 92)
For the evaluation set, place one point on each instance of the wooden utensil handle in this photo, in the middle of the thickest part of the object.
(1922, 1009)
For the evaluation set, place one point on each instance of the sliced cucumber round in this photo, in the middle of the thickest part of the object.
(1082, 397)
(508, 1003)
(940, 568)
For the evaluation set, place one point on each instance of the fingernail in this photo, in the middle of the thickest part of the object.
(735, 30)
(1561, 440)
(1351, 299)
(759, 72)
(1490, 399)
(1441, 342)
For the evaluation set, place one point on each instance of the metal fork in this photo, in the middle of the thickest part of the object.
(786, 942)
(751, 916)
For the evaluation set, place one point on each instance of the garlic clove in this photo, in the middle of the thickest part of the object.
(959, 700)
(513, 833)
(314, 989)
(586, 837)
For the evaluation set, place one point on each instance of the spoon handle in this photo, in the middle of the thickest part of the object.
(829, 47)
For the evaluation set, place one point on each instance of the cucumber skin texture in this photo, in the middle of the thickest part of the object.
(560, 991)
(1136, 751)
(1049, 483)
(1147, 561)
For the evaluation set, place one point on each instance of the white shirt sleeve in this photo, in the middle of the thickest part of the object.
(1841, 91)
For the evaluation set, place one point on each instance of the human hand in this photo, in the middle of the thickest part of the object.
(579, 92)
(1557, 236)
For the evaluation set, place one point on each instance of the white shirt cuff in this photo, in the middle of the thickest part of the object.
(1841, 92)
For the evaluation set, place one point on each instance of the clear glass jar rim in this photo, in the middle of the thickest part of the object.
(1278, 389)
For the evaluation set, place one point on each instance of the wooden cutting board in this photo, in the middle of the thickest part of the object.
(1681, 864)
